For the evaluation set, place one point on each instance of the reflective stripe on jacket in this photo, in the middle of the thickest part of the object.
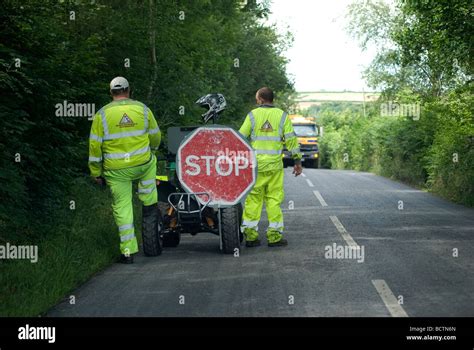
(123, 134)
(269, 130)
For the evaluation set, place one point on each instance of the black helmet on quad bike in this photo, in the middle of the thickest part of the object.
(215, 103)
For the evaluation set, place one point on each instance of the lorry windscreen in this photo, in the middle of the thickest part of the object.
(305, 130)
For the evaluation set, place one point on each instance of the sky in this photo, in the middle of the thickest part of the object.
(323, 55)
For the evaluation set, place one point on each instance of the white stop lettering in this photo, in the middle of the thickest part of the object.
(240, 163)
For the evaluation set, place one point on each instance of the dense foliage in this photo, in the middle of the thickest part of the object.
(424, 63)
(172, 52)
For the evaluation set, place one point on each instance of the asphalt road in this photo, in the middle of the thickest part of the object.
(418, 261)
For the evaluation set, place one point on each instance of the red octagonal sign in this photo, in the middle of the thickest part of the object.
(219, 161)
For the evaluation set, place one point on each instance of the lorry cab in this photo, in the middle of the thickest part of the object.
(307, 132)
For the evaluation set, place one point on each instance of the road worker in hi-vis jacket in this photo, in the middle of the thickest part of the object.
(123, 135)
(268, 129)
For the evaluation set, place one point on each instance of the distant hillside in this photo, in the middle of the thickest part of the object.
(306, 99)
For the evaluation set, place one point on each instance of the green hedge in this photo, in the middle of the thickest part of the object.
(435, 152)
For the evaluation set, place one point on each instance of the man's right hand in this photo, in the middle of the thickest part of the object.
(298, 169)
(99, 181)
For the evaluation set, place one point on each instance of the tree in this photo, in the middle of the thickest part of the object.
(171, 52)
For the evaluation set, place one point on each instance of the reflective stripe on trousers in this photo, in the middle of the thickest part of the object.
(146, 190)
(128, 237)
(249, 224)
(277, 226)
(268, 189)
(120, 184)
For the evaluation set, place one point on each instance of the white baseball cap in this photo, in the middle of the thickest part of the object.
(119, 83)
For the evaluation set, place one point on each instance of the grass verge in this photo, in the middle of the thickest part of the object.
(78, 243)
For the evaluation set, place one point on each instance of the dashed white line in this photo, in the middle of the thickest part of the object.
(347, 237)
(310, 184)
(389, 299)
(320, 198)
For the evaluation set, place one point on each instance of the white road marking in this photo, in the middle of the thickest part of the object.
(303, 174)
(347, 237)
(389, 299)
(320, 198)
(310, 184)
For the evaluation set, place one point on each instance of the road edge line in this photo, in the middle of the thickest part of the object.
(347, 237)
(320, 198)
(389, 299)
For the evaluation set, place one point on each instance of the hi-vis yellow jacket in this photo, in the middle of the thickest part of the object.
(123, 133)
(269, 129)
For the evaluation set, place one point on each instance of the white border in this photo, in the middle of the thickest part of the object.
(252, 153)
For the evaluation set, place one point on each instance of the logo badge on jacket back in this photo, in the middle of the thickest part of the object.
(266, 127)
(126, 122)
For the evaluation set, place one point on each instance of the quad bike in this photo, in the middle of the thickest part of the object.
(180, 212)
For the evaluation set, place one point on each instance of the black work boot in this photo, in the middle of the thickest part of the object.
(254, 243)
(126, 259)
(281, 243)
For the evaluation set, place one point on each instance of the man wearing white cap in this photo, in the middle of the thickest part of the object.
(123, 135)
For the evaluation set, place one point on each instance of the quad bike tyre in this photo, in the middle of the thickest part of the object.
(230, 225)
(152, 223)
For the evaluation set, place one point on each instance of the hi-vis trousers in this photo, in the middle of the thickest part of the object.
(120, 183)
(269, 189)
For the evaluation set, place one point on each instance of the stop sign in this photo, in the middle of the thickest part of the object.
(219, 161)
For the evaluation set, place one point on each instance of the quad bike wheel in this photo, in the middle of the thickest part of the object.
(152, 224)
(230, 225)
